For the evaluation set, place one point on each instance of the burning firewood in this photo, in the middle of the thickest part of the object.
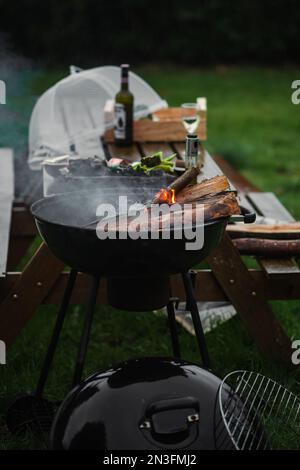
(216, 206)
(182, 191)
(213, 193)
(193, 193)
(166, 195)
(220, 205)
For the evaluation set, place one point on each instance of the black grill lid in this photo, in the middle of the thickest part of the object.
(150, 403)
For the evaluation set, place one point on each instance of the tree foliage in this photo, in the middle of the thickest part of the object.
(188, 32)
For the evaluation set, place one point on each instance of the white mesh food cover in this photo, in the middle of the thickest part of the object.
(70, 115)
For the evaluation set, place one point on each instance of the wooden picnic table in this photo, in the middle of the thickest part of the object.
(43, 280)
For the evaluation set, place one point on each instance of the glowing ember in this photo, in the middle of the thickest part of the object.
(166, 195)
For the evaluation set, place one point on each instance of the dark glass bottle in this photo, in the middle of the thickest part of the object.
(123, 129)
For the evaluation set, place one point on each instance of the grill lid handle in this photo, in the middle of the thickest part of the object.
(173, 404)
(172, 417)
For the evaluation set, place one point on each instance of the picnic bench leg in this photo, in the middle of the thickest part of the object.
(22, 233)
(17, 249)
(248, 298)
(21, 302)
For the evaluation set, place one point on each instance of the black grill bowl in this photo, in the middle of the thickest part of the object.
(60, 219)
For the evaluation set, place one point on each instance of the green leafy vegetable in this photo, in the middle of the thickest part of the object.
(156, 161)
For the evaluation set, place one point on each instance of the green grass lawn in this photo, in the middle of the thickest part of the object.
(252, 122)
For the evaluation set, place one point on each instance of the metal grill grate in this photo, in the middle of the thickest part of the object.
(258, 413)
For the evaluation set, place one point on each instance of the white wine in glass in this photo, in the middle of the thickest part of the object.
(190, 117)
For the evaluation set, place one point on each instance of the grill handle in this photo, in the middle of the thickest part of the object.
(246, 216)
(173, 420)
(173, 404)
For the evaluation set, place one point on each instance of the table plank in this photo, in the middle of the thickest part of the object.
(131, 153)
(237, 179)
(6, 202)
(210, 167)
(270, 206)
(149, 148)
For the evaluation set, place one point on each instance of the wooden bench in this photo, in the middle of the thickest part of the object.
(6, 202)
(43, 279)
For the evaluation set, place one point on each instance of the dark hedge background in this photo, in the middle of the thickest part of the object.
(139, 31)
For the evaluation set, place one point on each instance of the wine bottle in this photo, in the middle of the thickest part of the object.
(123, 130)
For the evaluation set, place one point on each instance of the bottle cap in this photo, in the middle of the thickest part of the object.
(124, 71)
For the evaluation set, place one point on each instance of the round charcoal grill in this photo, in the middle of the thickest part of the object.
(137, 271)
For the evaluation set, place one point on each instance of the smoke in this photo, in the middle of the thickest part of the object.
(18, 72)
(79, 195)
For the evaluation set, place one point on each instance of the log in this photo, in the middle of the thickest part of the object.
(267, 247)
(176, 186)
(287, 231)
(193, 193)
(184, 180)
(216, 206)
(220, 205)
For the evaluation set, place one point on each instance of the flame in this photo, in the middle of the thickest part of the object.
(166, 195)
(173, 199)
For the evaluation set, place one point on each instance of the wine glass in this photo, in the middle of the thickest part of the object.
(190, 117)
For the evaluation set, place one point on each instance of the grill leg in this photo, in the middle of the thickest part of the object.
(189, 291)
(85, 335)
(55, 335)
(173, 329)
(193, 281)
